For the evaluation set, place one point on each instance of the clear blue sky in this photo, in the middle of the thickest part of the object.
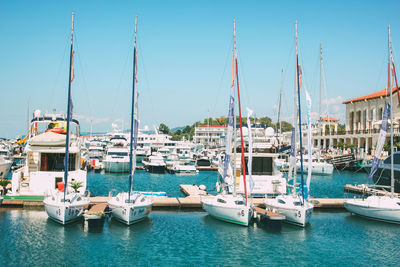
(184, 58)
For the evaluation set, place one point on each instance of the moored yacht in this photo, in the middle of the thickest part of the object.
(117, 159)
(382, 175)
(268, 180)
(5, 162)
(154, 163)
(45, 152)
(318, 166)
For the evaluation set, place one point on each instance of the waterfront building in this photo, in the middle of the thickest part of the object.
(363, 121)
(209, 135)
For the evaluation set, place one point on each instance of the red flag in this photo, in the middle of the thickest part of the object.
(233, 72)
(300, 76)
(72, 67)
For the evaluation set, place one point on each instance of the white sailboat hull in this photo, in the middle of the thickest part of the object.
(381, 208)
(237, 214)
(295, 214)
(132, 212)
(64, 212)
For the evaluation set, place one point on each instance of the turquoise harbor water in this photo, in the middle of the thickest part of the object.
(101, 184)
(29, 238)
(177, 238)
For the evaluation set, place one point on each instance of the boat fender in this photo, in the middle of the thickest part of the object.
(218, 187)
(202, 187)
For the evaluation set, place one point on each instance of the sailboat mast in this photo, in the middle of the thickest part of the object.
(320, 80)
(280, 104)
(132, 116)
(320, 95)
(68, 109)
(241, 130)
(301, 138)
(234, 111)
(391, 113)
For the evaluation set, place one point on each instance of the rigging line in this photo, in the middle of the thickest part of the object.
(381, 69)
(145, 75)
(81, 71)
(222, 80)
(57, 78)
(123, 71)
(247, 101)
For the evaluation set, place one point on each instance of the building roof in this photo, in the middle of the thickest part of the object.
(329, 119)
(212, 126)
(381, 93)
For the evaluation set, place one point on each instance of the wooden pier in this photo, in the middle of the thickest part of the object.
(272, 216)
(192, 190)
(366, 191)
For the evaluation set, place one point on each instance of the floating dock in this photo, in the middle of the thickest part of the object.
(192, 200)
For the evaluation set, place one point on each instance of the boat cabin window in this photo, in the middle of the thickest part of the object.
(261, 166)
(54, 162)
(297, 203)
(239, 202)
(121, 154)
(220, 200)
(281, 201)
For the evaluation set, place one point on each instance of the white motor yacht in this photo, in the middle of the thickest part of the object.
(154, 163)
(45, 152)
(180, 167)
(320, 167)
(268, 180)
(5, 162)
(117, 159)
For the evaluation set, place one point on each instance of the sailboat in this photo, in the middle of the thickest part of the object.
(382, 208)
(227, 207)
(294, 206)
(65, 207)
(130, 207)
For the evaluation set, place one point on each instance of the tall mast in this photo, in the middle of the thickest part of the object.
(299, 113)
(132, 116)
(69, 111)
(320, 81)
(241, 130)
(280, 104)
(391, 112)
(234, 111)
(320, 95)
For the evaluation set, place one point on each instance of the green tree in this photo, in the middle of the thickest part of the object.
(286, 127)
(163, 128)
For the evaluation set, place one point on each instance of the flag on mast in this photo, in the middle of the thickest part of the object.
(381, 141)
(72, 66)
(250, 159)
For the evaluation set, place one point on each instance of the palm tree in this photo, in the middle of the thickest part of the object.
(3, 184)
(75, 185)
